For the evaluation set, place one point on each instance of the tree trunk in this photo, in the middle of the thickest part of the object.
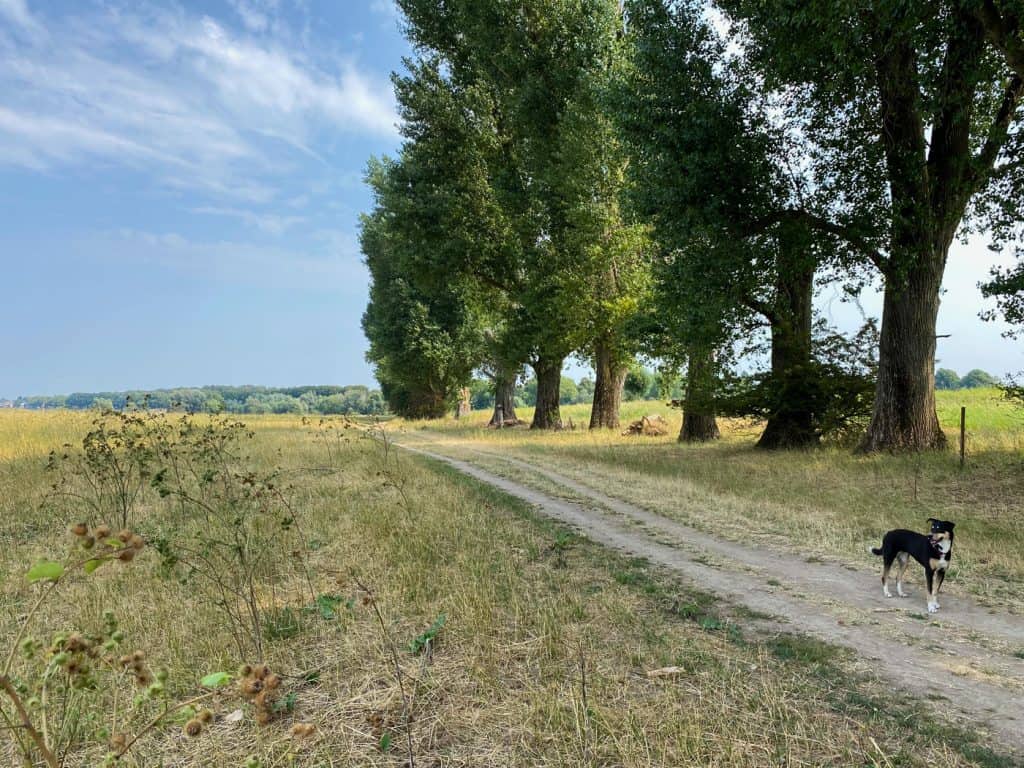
(699, 423)
(608, 382)
(791, 424)
(505, 399)
(904, 416)
(549, 382)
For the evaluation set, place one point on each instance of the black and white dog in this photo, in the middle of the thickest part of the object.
(933, 552)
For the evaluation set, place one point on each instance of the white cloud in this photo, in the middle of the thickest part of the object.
(253, 16)
(385, 7)
(181, 97)
(271, 223)
(16, 11)
(330, 263)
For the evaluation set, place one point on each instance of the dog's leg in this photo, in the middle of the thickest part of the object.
(933, 605)
(903, 559)
(886, 566)
(940, 577)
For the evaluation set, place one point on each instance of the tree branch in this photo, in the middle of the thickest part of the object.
(1002, 33)
(761, 307)
(815, 222)
(984, 162)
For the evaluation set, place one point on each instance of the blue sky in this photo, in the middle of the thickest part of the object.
(180, 184)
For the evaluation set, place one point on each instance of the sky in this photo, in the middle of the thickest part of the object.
(180, 187)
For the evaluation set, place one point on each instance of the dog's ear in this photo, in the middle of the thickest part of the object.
(951, 526)
(932, 520)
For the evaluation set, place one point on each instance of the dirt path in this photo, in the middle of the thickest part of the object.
(964, 658)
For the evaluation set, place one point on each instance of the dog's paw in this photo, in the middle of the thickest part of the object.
(902, 594)
(933, 607)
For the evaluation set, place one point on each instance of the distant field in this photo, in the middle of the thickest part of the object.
(548, 641)
(829, 502)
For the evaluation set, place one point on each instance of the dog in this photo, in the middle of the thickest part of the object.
(933, 552)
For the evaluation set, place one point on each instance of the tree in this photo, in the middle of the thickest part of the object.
(946, 378)
(638, 382)
(423, 341)
(911, 108)
(978, 378)
(568, 392)
(585, 390)
(529, 70)
(718, 167)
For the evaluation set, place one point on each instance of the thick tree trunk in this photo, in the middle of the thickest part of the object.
(608, 382)
(505, 400)
(549, 381)
(791, 425)
(904, 416)
(699, 423)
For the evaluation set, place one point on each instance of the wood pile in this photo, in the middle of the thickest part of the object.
(649, 426)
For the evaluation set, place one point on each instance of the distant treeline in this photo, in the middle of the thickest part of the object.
(946, 378)
(222, 399)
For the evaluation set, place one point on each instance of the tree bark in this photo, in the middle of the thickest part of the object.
(930, 184)
(791, 425)
(904, 416)
(610, 376)
(505, 399)
(546, 415)
(699, 424)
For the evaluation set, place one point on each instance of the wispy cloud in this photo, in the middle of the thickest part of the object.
(271, 223)
(329, 263)
(385, 8)
(181, 96)
(16, 12)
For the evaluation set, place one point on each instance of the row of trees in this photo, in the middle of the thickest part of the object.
(640, 384)
(225, 399)
(676, 179)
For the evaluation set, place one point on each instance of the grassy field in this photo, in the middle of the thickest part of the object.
(548, 641)
(824, 503)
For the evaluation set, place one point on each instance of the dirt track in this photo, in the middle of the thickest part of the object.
(962, 658)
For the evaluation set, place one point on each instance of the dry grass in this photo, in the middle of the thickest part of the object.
(828, 503)
(529, 613)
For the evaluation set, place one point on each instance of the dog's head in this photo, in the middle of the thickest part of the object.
(941, 529)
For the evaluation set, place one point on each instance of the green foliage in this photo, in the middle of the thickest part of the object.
(639, 384)
(837, 391)
(74, 669)
(426, 638)
(1007, 287)
(228, 526)
(216, 680)
(974, 379)
(946, 378)
(328, 605)
(109, 474)
(223, 399)
(46, 570)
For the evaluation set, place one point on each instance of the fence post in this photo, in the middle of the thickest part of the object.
(501, 416)
(963, 433)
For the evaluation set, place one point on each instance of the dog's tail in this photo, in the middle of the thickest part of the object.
(875, 550)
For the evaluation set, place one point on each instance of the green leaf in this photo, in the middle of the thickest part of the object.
(215, 680)
(48, 570)
(287, 704)
(385, 742)
(328, 605)
(421, 642)
(92, 565)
